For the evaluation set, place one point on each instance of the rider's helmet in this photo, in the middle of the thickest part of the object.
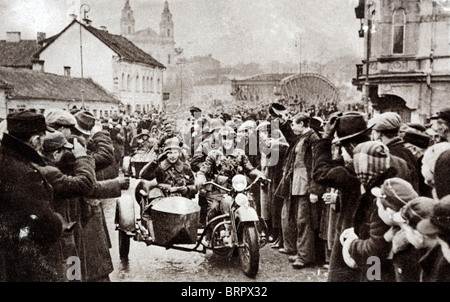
(227, 132)
(172, 143)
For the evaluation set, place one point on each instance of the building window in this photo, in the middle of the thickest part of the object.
(168, 59)
(137, 83)
(398, 31)
(123, 82)
(157, 87)
(129, 83)
(151, 85)
(144, 87)
(67, 71)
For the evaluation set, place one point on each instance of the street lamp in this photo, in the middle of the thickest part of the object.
(370, 16)
(179, 51)
(298, 44)
(86, 9)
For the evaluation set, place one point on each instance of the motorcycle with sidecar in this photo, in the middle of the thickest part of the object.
(173, 222)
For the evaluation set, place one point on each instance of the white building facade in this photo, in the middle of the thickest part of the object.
(112, 61)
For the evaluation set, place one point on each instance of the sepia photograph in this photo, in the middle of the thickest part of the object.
(225, 146)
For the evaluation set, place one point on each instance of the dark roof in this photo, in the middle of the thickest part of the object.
(119, 44)
(30, 84)
(18, 54)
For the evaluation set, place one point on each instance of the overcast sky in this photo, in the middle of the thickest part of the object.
(232, 31)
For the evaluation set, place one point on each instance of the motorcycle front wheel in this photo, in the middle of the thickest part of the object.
(249, 251)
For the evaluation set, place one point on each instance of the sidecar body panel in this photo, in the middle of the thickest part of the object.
(174, 220)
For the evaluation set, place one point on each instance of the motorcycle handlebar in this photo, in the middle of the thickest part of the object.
(247, 188)
(219, 186)
(257, 180)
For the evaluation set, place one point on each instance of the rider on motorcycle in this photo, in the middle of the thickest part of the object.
(173, 176)
(224, 163)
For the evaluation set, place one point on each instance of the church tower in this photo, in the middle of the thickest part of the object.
(127, 22)
(166, 24)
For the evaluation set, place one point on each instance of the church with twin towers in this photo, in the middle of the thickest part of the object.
(160, 45)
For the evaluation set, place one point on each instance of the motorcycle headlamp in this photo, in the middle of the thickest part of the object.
(239, 183)
(241, 199)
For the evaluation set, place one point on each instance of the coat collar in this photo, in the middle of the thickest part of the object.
(13, 145)
(178, 165)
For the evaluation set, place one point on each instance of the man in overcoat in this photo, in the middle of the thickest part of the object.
(29, 225)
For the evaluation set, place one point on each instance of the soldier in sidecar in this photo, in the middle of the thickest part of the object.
(168, 213)
(168, 176)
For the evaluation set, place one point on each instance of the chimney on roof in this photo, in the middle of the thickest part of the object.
(40, 37)
(13, 36)
(38, 65)
(103, 28)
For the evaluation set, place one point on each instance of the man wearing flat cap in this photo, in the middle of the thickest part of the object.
(61, 120)
(28, 223)
(385, 128)
(71, 172)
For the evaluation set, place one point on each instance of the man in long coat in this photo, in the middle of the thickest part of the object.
(29, 226)
(95, 232)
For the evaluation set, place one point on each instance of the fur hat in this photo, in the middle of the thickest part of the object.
(26, 122)
(395, 193)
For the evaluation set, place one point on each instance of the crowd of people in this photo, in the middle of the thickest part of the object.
(365, 198)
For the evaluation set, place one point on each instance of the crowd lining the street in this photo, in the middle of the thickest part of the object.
(346, 192)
